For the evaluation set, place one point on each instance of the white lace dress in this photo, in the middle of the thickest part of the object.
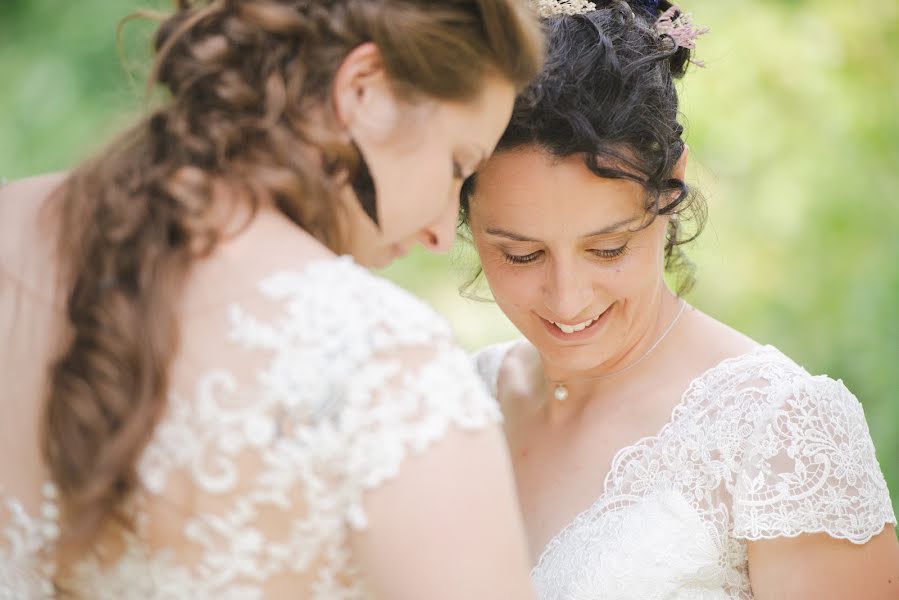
(756, 449)
(321, 382)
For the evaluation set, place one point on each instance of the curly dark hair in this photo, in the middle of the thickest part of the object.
(607, 92)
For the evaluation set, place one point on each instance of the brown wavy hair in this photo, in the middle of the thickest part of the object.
(248, 110)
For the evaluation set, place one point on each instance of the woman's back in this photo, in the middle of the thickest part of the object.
(301, 381)
(233, 412)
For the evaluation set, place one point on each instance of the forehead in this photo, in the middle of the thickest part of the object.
(533, 189)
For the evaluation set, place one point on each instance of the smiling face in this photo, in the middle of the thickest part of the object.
(567, 257)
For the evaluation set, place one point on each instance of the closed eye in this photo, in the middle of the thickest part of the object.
(523, 259)
(517, 259)
(610, 254)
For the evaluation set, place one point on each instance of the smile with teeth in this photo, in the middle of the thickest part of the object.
(573, 328)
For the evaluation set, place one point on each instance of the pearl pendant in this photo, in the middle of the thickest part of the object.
(561, 392)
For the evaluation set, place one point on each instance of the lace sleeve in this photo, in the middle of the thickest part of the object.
(811, 467)
(399, 403)
(324, 384)
(392, 380)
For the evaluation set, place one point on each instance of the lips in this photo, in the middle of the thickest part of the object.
(576, 331)
(572, 328)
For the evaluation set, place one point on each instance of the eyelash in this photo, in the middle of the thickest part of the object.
(529, 258)
(521, 260)
(610, 254)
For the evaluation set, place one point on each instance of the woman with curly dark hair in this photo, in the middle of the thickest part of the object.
(658, 453)
(201, 399)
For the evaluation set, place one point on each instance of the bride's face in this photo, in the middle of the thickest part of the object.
(418, 153)
(566, 257)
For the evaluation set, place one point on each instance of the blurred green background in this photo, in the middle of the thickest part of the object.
(794, 137)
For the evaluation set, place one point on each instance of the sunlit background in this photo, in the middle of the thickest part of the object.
(794, 138)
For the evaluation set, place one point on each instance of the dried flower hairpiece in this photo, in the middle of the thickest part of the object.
(553, 8)
(679, 26)
(673, 23)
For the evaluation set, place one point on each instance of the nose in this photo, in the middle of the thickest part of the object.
(438, 237)
(567, 289)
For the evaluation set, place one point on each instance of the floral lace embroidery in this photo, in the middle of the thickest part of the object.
(756, 449)
(272, 459)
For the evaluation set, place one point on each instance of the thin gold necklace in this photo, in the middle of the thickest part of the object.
(560, 392)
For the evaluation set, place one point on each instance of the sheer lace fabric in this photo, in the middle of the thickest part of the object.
(756, 449)
(288, 403)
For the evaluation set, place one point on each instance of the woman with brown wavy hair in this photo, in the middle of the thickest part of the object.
(202, 399)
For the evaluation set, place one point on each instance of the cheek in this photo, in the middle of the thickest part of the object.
(622, 284)
(512, 287)
(644, 264)
(416, 191)
(634, 282)
(494, 272)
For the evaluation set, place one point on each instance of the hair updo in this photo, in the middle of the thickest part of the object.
(607, 92)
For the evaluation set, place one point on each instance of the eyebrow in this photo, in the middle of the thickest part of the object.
(522, 238)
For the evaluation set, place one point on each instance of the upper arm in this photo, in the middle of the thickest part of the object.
(432, 504)
(811, 500)
(448, 526)
(819, 567)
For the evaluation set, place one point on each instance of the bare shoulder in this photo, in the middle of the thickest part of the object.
(21, 200)
(713, 340)
(26, 249)
(38, 186)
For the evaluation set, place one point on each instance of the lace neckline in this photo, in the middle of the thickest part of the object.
(621, 454)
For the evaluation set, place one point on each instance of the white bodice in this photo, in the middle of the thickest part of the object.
(757, 448)
(289, 401)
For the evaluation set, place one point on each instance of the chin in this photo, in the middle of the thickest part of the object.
(570, 358)
(378, 258)
(381, 262)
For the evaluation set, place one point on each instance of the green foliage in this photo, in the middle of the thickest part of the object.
(794, 138)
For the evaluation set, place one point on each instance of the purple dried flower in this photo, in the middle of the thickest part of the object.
(680, 27)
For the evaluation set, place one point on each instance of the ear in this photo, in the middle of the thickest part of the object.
(679, 172)
(362, 94)
(680, 167)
